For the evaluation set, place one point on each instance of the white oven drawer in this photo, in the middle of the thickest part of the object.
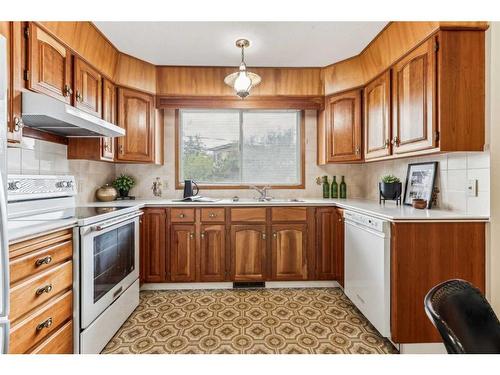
(367, 274)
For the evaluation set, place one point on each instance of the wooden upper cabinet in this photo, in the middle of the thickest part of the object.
(183, 252)
(154, 245)
(88, 88)
(377, 125)
(49, 65)
(289, 254)
(343, 127)
(109, 105)
(414, 94)
(212, 253)
(248, 252)
(136, 116)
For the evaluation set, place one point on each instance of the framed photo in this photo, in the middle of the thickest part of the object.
(420, 180)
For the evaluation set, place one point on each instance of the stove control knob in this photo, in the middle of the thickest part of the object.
(62, 184)
(70, 184)
(14, 185)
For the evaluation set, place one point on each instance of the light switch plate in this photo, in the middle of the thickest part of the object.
(472, 188)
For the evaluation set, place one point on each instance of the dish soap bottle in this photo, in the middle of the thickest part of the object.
(343, 189)
(335, 188)
(326, 187)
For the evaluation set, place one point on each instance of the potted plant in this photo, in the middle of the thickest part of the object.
(390, 187)
(123, 184)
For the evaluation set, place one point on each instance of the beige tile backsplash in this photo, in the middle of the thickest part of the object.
(455, 169)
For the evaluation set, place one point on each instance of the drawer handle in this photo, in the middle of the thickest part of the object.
(212, 215)
(182, 216)
(44, 260)
(45, 324)
(44, 289)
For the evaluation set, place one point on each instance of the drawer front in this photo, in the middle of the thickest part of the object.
(39, 289)
(61, 342)
(289, 214)
(248, 214)
(212, 215)
(37, 261)
(182, 215)
(41, 242)
(41, 324)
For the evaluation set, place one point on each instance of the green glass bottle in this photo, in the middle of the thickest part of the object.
(335, 188)
(326, 187)
(343, 189)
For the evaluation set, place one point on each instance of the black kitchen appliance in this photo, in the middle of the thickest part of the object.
(189, 188)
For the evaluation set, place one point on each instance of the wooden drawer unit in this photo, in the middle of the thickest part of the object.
(41, 323)
(61, 342)
(212, 215)
(182, 215)
(257, 214)
(34, 291)
(289, 214)
(40, 260)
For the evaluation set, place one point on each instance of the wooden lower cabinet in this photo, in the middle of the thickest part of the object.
(153, 260)
(330, 244)
(182, 253)
(248, 252)
(289, 252)
(212, 253)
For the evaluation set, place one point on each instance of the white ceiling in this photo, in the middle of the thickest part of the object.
(294, 44)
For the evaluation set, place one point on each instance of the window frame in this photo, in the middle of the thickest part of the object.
(302, 143)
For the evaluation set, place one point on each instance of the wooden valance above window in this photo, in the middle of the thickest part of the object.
(234, 102)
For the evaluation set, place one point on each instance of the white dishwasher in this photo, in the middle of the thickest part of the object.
(367, 268)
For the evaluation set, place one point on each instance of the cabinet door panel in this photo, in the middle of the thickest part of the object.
(343, 117)
(154, 246)
(248, 252)
(289, 255)
(213, 253)
(88, 88)
(49, 65)
(413, 100)
(136, 116)
(330, 244)
(183, 253)
(377, 106)
(108, 114)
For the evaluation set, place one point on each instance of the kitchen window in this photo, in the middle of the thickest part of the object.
(238, 148)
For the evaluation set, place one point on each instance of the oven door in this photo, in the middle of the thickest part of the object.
(109, 254)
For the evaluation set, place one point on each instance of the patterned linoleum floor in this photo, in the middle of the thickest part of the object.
(276, 321)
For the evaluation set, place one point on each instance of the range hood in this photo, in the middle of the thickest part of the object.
(51, 115)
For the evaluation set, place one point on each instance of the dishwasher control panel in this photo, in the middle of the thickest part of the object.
(367, 221)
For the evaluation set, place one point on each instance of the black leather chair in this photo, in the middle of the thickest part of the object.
(463, 317)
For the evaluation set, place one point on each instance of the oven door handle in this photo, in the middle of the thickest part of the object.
(100, 227)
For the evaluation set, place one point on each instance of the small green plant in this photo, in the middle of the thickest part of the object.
(124, 183)
(390, 179)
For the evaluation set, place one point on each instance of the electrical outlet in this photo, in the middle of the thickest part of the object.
(472, 188)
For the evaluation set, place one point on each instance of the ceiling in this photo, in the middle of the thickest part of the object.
(274, 44)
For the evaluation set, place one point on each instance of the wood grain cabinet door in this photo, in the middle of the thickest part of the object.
(183, 253)
(154, 246)
(289, 255)
(88, 88)
(248, 252)
(108, 114)
(49, 65)
(136, 116)
(329, 240)
(414, 91)
(343, 127)
(377, 125)
(212, 253)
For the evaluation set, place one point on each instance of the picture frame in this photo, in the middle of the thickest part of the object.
(420, 181)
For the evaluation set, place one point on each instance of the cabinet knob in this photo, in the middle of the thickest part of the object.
(357, 150)
(191, 235)
(18, 124)
(44, 260)
(67, 91)
(45, 324)
(202, 235)
(387, 143)
(212, 215)
(79, 97)
(121, 149)
(182, 216)
(395, 141)
(44, 289)
(275, 235)
(264, 236)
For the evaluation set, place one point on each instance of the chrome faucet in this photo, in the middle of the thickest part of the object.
(263, 193)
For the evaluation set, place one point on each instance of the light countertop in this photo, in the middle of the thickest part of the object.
(389, 211)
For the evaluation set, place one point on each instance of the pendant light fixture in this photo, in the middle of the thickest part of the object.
(242, 81)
